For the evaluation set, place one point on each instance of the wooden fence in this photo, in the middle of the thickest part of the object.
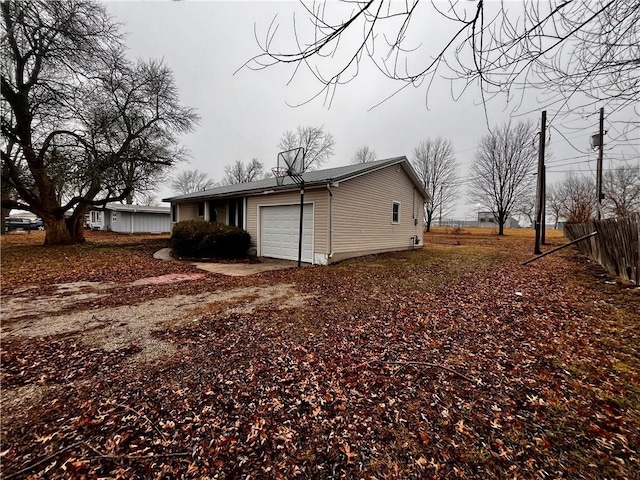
(616, 246)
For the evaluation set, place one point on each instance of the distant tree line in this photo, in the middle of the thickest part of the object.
(574, 198)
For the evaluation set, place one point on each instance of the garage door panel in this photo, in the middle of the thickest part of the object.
(279, 232)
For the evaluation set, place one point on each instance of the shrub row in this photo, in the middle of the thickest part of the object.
(200, 239)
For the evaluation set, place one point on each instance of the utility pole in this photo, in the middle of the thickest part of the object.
(540, 190)
(543, 225)
(599, 165)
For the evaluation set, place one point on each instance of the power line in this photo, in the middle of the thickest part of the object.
(581, 171)
(567, 158)
(568, 141)
(575, 163)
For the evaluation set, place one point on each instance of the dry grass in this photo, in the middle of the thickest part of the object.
(104, 257)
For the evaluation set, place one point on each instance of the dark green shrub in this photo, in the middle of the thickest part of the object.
(199, 239)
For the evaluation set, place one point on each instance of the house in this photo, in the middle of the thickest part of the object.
(348, 211)
(121, 218)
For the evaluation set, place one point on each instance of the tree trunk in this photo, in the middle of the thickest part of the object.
(501, 229)
(76, 227)
(57, 232)
(64, 231)
(5, 213)
(502, 219)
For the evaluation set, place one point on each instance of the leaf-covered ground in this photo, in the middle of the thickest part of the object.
(452, 361)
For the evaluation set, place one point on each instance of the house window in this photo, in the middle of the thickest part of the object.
(174, 213)
(395, 212)
(201, 209)
(114, 217)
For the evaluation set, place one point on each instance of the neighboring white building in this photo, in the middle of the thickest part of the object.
(121, 218)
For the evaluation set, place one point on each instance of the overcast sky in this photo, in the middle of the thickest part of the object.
(244, 115)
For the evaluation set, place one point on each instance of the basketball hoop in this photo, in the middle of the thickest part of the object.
(279, 173)
(290, 164)
(292, 160)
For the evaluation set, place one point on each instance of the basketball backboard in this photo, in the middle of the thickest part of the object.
(292, 160)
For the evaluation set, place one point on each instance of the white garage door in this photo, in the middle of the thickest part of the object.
(279, 232)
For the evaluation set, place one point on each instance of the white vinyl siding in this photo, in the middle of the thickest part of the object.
(319, 197)
(363, 212)
(187, 211)
(142, 222)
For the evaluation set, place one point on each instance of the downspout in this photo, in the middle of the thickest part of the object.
(330, 221)
(414, 213)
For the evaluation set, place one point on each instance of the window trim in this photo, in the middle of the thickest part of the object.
(393, 206)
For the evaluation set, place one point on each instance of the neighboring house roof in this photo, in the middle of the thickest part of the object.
(121, 207)
(312, 178)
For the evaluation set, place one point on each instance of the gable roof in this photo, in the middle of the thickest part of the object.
(123, 207)
(311, 179)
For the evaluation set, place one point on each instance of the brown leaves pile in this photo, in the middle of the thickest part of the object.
(449, 362)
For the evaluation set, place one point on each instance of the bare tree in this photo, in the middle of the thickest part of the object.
(363, 155)
(555, 202)
(436, 167)
(147, 199)
(579, 193)
(317, 144)
(621, 188)
(190, 181)
(587, 49)
(503, 168)
(82, 124)
(238, 172)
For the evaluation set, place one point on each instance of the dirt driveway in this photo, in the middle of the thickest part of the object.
(113, 328)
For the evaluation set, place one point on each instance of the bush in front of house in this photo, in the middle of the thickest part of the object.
(200, 239)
